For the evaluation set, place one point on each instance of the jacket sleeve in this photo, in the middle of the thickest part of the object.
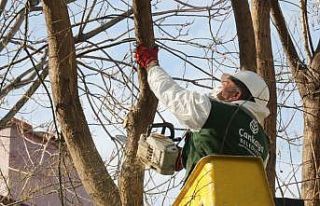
(190, 108)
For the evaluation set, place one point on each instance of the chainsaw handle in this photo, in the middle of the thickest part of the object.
(162, 125)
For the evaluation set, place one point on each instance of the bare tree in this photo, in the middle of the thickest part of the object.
(131, 180)
(111, 102)
(74, 127)
(265, 67)
(306, 76)
(255, 50)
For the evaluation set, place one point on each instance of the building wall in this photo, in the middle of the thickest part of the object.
(4, 160)
(34, 169)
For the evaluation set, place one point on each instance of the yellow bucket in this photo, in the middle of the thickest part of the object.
(226, 181)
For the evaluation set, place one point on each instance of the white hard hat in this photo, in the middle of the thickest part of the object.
(255, 84)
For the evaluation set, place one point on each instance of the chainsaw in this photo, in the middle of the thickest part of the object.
(157, 151)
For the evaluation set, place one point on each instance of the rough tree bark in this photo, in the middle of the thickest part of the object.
(311, 143)
(245, 32)
(307, 78)
(63, 75)
(265, 67)
(256, 55)
(141, 115)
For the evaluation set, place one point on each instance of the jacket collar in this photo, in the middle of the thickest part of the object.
(259, 111)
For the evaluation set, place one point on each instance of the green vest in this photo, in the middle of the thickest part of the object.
(230, 129)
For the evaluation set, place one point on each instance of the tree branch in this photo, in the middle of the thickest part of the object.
(23, 100)
(245, 34)
(306, 30)
(293, 59)
(63, 74)
(141, 115)
(82, 37)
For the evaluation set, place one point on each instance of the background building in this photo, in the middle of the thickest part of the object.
(34, 170)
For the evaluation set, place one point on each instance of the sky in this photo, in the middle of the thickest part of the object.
(290, 121)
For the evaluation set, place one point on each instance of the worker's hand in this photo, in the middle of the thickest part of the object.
(146, 57)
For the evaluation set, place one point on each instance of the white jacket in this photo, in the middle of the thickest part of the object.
(191, 108)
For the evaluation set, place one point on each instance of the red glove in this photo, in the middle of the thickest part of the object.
(146, 55)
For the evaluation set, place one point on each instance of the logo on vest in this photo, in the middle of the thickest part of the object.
(254, 126)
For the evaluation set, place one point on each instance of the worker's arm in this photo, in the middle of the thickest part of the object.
(190, 108)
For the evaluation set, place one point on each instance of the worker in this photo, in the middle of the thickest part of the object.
(229, 122)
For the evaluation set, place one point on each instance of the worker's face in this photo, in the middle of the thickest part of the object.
(229, 91)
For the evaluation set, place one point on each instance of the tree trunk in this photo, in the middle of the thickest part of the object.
(245, 32)
(311, 154)
(311, 144)
(308, 81)
(261, 24)
(141, 115)
(3, 4)
(63, 75)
